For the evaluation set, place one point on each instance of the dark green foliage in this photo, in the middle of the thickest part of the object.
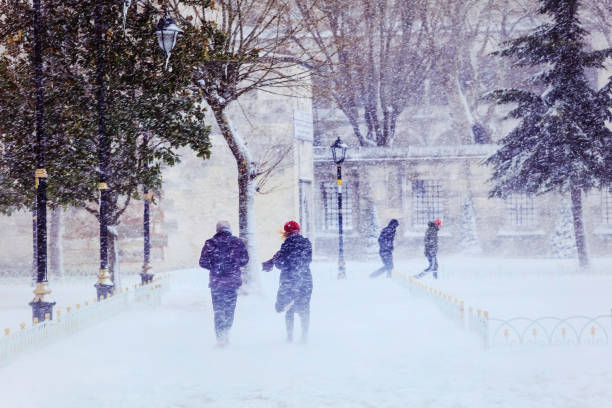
(561, 142)
(150, 113)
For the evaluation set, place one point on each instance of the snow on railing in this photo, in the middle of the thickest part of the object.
(83, 315)
(545, 331)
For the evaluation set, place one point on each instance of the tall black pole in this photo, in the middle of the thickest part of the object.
(34, 245)
(341, 267)
(104, 286)
(145, 276)
(41, 307)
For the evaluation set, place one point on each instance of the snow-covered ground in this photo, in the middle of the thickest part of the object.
(371, 345)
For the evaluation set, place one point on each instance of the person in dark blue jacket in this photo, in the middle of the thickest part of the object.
(385, 249)
(295, 286)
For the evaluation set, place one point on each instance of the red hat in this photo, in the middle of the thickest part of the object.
(291, 226)
(438, 222)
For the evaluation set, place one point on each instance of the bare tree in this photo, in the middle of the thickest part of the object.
(597, 15)
(369, 57)
(246, 46)
(466, 32)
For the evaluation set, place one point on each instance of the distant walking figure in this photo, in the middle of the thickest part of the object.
(223, 255)
(385, 249)
(295, 286)
(431, 246)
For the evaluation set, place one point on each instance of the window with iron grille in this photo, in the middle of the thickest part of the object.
(427, 201)
(329, 212)
(520, 209)
(606, 205)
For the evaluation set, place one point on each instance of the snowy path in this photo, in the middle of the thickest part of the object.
(371, 345)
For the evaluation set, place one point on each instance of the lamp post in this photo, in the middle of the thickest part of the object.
(167, 32)
(41, 308)
(338, 149)
(145, 276)
(104, 286)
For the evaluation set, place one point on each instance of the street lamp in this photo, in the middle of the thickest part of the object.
(126, 6)
(104, 286)
(145, 276)
(338, 149)
(167, 32)
(41, 307)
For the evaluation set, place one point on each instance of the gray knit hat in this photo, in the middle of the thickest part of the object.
(223, 225)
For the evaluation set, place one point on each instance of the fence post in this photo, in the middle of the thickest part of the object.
(485, 329)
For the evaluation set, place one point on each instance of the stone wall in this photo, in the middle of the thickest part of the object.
(384, 178)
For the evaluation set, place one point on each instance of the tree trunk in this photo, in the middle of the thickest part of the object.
(113, 256)
(56, 253)
(246, 196)
(583, 259)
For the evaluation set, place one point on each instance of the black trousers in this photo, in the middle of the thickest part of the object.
(224, 305)
(387, 259)
(433, 262)
(300, 295)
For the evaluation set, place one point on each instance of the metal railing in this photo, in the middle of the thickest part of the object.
(493, 332)
(550, 331)
(80, 316)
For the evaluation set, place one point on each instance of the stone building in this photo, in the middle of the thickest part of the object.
(421, 183)
(434, 170)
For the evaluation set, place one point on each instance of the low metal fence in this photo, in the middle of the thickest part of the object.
(494, 332)
(80, 316)
(550, 331)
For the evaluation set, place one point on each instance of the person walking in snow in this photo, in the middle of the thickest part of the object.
(295, 286)
(223, 255)
(431, 246)
(385, 249)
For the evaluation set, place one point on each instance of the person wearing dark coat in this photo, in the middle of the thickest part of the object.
(223, 255)
(431, 246)
(295, 286)
(385, 249)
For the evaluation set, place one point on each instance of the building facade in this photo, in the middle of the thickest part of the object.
(421, 183)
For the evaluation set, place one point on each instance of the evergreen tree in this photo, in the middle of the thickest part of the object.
(561, 142)
(150, 113)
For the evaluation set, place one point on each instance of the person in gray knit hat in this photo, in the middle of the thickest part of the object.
(223, 255)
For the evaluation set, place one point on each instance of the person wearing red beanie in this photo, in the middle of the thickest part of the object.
(295, 286)
(291, 227)
(431, 248)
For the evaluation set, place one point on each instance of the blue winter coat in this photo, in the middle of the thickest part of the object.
(293, 259)
(223, 255)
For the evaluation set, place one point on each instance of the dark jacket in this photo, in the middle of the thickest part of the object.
(293, 259)
(233, 255)
(431, 239)
(386, 237)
